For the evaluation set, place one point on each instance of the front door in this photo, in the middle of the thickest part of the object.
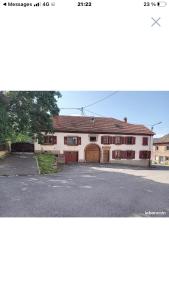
(105, 156)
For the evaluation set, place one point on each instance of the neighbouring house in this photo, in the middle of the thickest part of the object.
(96, 139)
(161, 149)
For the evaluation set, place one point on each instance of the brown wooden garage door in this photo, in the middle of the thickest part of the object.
(92, 153)
(71, 157)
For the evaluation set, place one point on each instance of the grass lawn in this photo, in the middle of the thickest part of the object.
(47, 163)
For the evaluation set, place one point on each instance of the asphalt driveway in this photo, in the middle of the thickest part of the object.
(87, 191)
(18, 164)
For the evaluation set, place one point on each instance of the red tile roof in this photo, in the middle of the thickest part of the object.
(83, 124)
(163, 140)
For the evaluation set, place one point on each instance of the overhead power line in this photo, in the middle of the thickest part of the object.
(94, 113)
(102, 99)
(83, 108)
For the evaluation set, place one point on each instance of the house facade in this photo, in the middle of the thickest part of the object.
(101, 140)
(161, 149)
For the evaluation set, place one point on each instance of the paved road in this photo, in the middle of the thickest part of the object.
(18, 164)
(86, 191)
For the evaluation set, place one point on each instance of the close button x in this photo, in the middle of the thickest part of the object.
(155, 21)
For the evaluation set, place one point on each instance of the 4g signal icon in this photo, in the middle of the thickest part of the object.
(37, 4)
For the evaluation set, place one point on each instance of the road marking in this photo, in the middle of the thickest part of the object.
(149, 191)
(85, 186)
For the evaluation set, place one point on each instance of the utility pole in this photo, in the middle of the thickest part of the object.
(82, 111)
(152, 128)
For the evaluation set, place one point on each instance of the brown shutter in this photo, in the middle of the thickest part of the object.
(124, 154)
(79, 140)
(133, 154)
(133, 140)
(50, 140)
(113, 154)
(110, 140)
(113, 140)
(45, 139)
(121, 154)
(54, 140)
(102, 140)
(125, 140)
(65, 140)
(122, 140)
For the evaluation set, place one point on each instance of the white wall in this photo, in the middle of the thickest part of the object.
(60, 147)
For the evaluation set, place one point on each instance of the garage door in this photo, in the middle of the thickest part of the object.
(92, 153)
(22, 147)
(71, 156)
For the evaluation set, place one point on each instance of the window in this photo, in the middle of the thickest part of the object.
(130, 154)
(118, 154)
(167, 147)
(49, 140)
(145, 154)
(92, 138)
(118, 140)
(145, 141)
(106, 140)
(156, 147)
(72, 140)
(130, 140)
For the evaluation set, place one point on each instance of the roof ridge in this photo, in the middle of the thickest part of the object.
(101, 124)
(110, 118)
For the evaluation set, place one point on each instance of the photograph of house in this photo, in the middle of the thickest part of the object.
(161, 149)
(84, 154)
(98, 140)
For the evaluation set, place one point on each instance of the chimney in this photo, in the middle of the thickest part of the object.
(125, 120)
(93, 120)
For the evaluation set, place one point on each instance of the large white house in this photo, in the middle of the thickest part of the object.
(96, 139)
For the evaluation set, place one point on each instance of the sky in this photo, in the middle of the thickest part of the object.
(146, 108)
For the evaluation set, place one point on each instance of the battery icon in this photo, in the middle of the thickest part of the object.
(161, 3)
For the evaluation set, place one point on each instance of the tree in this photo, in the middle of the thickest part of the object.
(30, 112)
(4, 125)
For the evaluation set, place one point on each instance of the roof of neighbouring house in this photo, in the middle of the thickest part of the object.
(83, 124)
(163, 140)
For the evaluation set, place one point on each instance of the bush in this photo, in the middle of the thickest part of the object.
(47, 163)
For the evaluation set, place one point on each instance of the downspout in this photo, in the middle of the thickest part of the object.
(150, 152)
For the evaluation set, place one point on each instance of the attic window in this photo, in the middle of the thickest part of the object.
(92, 138)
